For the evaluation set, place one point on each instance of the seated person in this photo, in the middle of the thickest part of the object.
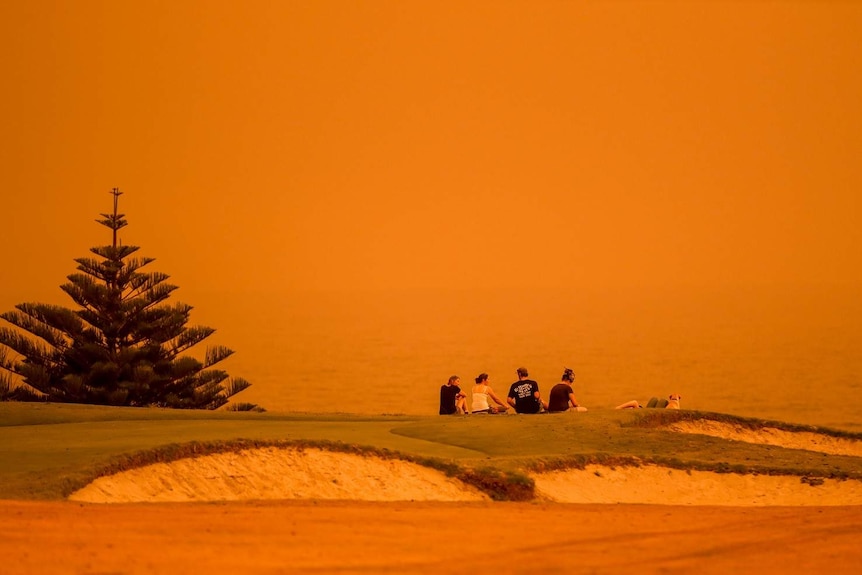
(562, 396)
(452, 399)
(524, 394)
(482, 392)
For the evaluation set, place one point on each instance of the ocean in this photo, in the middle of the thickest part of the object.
(769, 352)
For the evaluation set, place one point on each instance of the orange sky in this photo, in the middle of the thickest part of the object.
(292, 145)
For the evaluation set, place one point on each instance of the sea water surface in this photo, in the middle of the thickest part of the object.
(792, 354)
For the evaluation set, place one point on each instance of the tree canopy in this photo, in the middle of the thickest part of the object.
(124, 345)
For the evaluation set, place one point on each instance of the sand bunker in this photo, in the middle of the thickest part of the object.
(272, 473)
(278, 473)
(771, 436)
(656, 485)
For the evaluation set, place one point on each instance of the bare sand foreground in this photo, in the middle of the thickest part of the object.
(425, 538)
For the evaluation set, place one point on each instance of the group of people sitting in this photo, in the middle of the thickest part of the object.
(523, 397)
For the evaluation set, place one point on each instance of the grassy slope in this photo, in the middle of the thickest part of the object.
(48, 450)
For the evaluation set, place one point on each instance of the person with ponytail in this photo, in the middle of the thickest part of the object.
(482, 393)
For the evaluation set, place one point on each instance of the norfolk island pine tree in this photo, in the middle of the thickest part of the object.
(124, 345)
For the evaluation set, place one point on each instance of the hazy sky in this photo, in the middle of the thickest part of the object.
(292, 145)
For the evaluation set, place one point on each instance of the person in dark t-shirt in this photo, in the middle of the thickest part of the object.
(524, 394)
(452, 399)
(562, 396)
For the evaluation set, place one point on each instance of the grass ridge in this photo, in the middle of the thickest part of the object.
(605, 459)
(652, 418)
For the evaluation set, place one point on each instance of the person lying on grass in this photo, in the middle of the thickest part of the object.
(672, 402)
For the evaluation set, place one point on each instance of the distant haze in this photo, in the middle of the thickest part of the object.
(292, 147)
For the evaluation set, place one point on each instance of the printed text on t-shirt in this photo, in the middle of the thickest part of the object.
(523, 390)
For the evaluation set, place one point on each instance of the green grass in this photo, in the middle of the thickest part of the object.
(49, 450)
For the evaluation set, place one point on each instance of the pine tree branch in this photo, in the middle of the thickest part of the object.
(209, 391)
(215, 403)
(94, 318)
(140, 283)
(210, 380)
(185, 367)
(113, 221)
(163, 324)
(108, 271)
(216, 354)
(190, 337)
(7, 362)
(38, 376)
(54, 324)
(235, 385)
(157, 294)
(112, 253)
(86, 292)
(6, 384)
(130, 269)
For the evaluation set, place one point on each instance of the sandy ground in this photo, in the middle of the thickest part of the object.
(425, 538)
